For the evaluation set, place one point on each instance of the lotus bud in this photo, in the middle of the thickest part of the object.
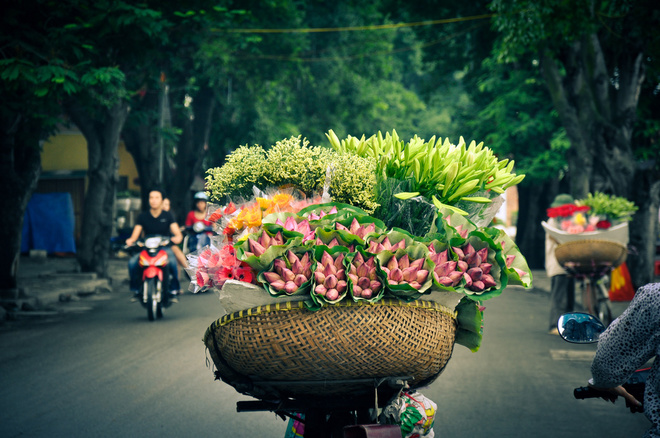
(371, 263)
(264, 240)
(375, 285)
(326, 259)
(318, 242)
(332, 294)
(372, 274)
(277, 239)
(475, 273)
(445, 268)
(367, 293)
(290, 287)
(308, 272)
(255, 247)
(339, 261)
(329, 270)
(305, 259)
(352, 269)
(509, 260)
(300, 279)
(445, 281)
(483, 253)
(297, 267)
(371, 228)
(462, 265)
(488, 281)
(468, 249)
(386, 270)
(473, 259)
(357, 291)
(400, 245)
(288, 275)
(271, 276)
(330, 282)
(341, 274)
(386, 243)
(468, 279)
(392, 264)
(396, 275)
(320, 289)
(278, 284)
(364, 283)
(404, 262)
(291, 257)
(455, 277)
(459, 252)
(279, 265)
(358, 259)
(478, 285)
(362, 271)
(334, 242)
(392, 282)
(319, 277)
(339, 226)
(341, 286)
(520, 272)
(485, 267)
(415, 285)
(417, 264)
(421, 276)
(353, 277)
(355, 225)
(379, 248)
(409, 274)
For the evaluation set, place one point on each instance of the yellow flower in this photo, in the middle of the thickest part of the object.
(580, 219)
(264, 203)
(282, 200)
(253, 216)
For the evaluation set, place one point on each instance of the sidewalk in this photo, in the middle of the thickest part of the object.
(44, 281)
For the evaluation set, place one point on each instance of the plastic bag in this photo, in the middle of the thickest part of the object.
(413, 412)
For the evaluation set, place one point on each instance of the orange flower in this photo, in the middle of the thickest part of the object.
(282, 200)
(264, 203)
(252, 217)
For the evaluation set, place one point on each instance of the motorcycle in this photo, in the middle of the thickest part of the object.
(196, 237)
(584, 328)
(153, 262)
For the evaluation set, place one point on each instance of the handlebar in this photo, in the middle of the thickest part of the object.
(585, 392)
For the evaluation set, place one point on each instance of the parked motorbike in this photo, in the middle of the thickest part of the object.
(154, 265)
(584, 328)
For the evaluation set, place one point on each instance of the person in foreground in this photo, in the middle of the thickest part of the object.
(155, 221)
(628, 343)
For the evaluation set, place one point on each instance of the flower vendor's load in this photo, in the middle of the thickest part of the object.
(592, 233)
(319, 283)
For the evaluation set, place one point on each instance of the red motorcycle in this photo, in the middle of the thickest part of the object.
(153, 262)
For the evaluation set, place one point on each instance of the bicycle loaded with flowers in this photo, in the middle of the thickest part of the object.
(338, 234)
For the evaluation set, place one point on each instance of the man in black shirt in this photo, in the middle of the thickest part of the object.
(155, 221)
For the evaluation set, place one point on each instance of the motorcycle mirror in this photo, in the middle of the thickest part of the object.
(580, 328)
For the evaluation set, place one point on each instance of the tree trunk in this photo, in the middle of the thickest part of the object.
(533, 198)
(102, 135)
(20, 167)
(191, 148)
(644, 227)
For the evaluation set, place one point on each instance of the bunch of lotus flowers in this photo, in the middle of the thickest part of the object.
(471, 266)
(314, 217)
(357, 229)
(289, 277)
(363, 277)
(334, 242)
(259, 246)
(301, 227)
(377, 247)
(403, 270)
(330, 276)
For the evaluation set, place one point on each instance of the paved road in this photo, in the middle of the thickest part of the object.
(101, 369)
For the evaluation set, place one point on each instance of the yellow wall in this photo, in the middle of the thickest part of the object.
(67, 150)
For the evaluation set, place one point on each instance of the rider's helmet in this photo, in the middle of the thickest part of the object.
(200, 196)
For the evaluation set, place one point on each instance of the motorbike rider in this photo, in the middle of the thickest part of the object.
(155, 221)
(196, 240)
(628, 343)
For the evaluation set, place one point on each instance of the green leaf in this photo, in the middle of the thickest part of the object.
(477, 199)
(406, 195)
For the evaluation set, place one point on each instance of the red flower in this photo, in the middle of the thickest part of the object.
(603, 225)
(230, 208)
(244, 274)
(566, 210)
(215, 216)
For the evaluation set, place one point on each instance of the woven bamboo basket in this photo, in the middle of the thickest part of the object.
(590, 255)
(287, 350)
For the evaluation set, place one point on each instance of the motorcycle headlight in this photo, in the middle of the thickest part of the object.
(152, 242)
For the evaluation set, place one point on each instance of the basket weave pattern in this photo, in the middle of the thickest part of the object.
(588, 254)
(290, 343)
